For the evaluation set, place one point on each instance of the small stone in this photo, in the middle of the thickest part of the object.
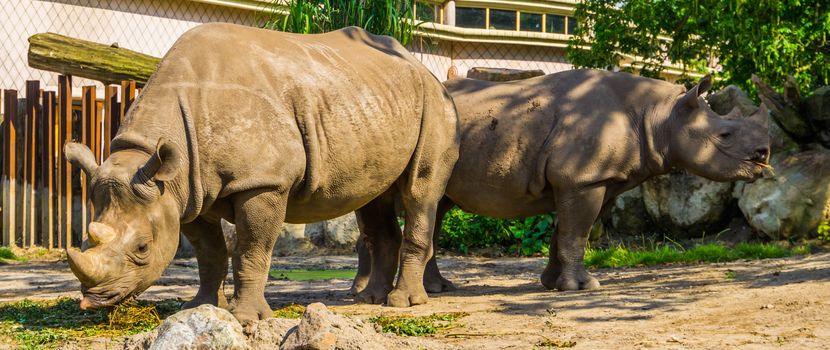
(767, 306)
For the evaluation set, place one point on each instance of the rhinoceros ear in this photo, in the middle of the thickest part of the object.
(163, 165)
(80, 156)
(691, 97)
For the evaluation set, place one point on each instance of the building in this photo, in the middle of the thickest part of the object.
(519, 34)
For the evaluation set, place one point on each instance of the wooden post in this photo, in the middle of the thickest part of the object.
(10, 127)
(47, 171)
(65, 112)
(88, 105)
(112, 112)
(127, 98)
(30, 175)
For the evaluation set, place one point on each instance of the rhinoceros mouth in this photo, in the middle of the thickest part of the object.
(93, 300)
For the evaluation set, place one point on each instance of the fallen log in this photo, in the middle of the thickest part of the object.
(106, 63)
(785, 109)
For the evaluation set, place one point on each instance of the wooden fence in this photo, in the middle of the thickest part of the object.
(44, 199)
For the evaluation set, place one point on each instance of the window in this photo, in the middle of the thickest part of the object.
(530, 22)
(502, 19)
(571, 25)
(425, 12)
(467, 17)
(555, 24)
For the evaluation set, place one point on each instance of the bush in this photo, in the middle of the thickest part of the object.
(462, 231)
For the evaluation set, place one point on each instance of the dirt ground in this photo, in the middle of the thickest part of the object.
(776, 303)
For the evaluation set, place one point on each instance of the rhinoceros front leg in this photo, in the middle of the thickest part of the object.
(259, 217)
(212, 255)
(576, 212)
(381, 240)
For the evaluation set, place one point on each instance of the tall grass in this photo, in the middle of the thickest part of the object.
(394, 18)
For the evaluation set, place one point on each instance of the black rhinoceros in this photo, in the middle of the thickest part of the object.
(571, 142)
(260, 128)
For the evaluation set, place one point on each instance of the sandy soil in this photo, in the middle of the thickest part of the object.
(777, 303)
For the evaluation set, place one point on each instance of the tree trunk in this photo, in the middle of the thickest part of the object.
(106, 63)
(785, 110)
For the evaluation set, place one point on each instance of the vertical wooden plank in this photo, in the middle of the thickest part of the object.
(99, 107)
(127, 97)
(2, 169)
(47, 165)
(65, 111)
(9, 167)
(30, 181)
(112, 110)
(88, 117)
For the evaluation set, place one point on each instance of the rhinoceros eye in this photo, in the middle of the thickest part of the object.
(142, 248)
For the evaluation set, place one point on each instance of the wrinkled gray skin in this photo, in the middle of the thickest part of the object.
(571, 142)
(260, 128)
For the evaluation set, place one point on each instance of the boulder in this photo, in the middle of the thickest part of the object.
(335, 236)
(686, 205)
(268, 334)
(320, 329)
(502, 74)
(791, 204)
(628, 215)
(203, 327)
(817, 108)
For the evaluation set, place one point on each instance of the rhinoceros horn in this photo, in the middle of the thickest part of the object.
(82, 266)
(100, 233)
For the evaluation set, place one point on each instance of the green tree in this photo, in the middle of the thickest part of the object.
(771, 38)
(394, 18)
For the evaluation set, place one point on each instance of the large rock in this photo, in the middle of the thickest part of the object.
(320, 329)
(502, 74)
(791, 204)
(628, 216)
(686, 205)
(817, 107)
(203, 327)
(268, 334)
(335, 236)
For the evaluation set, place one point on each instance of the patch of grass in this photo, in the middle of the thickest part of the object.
(706, 253)
(32, 324)
(8, 254)
(416, 326)
(730, 274)
(550, 343)
(312, 275)
(290, 311)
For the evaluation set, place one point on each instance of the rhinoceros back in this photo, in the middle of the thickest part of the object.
(333, 118)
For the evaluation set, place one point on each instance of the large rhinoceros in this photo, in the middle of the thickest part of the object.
(571, 142)
(260, 128)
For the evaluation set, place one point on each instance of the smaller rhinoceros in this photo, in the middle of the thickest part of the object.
(259, 128)
(571, 142)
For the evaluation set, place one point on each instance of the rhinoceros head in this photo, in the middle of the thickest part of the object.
(135, 231)
(721, 148)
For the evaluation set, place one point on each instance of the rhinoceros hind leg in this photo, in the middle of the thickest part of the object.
(576, 211)
(212, 255)
(433, 281)
(381, 240)
(259, 215)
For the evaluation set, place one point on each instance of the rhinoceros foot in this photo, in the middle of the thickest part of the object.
(577, 279)
(218, 300)
(406, 297)
(250, 309)
(373, 293)
(435, 283)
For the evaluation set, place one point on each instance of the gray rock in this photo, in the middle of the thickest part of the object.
(315, 331)
(335, 236)
(817, 107)
(686, 205)
(141, 341)
(791, 204)
(203, 327)
(628, 216)
(268, 334)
